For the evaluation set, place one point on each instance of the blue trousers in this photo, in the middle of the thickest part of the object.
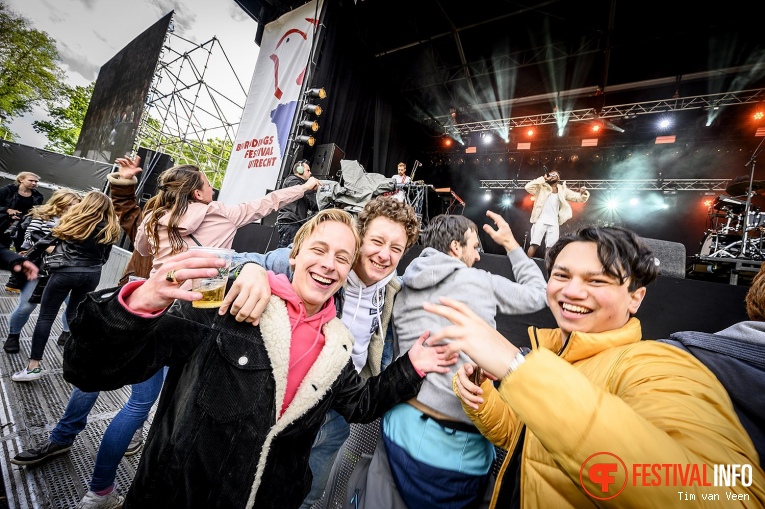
(119, 432)
(20, 315)
(331, 437)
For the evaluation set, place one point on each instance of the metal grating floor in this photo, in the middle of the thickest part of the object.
(28, 413)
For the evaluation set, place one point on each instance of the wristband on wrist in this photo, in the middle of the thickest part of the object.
(519, 359)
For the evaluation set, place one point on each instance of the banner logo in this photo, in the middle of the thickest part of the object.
(602, 470)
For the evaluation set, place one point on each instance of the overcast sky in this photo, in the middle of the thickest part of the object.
(90, 32)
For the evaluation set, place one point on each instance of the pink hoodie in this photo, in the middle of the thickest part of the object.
(307, 336)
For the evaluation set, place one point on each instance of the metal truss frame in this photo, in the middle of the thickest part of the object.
(190, 109)
(665, 185)
(617, 111)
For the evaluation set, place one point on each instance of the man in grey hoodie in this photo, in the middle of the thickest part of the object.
(437, 457)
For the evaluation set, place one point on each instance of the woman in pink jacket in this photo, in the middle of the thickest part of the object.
(182, 214)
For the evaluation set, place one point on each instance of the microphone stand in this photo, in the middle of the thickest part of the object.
(752, 161)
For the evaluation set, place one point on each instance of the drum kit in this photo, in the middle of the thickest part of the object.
(731, 228)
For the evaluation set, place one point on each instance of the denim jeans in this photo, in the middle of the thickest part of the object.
(20, 315)
(121, 430)
(74, 284)
(331, 437)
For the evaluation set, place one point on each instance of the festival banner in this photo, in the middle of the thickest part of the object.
(256, 158)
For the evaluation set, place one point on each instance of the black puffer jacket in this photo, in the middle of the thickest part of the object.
(217, 440)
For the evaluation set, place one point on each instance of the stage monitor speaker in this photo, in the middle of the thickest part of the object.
(326, 162)
(153, 163)
(270, 219)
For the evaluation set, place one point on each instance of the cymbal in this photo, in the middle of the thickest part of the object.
(742, 188)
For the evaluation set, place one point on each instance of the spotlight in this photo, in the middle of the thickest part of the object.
(312, 108)
(447, 142)
(308, 124)
(316, 92)
(530, 133)
(487, 195)
(305, 140)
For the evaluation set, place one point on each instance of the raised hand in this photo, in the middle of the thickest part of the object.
(471, 334)
(503, 235)
(128, 168)
(312, 184)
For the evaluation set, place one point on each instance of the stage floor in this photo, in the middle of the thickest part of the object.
(28, 413)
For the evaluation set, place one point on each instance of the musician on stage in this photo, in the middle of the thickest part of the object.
(551, 208)
(400, 179)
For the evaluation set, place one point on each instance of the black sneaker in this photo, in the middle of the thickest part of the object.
(12, 343)
(63, 337)
(35, 456)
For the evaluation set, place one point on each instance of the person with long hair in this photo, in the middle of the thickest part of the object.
(183, 213)
(86, 233)
(44, 218)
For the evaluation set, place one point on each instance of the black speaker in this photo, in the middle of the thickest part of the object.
(326, 162)
(270, 219)
(153, 163)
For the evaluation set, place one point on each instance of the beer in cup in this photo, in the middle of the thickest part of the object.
(212, 288)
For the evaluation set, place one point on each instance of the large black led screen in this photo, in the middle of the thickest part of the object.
(120, 94)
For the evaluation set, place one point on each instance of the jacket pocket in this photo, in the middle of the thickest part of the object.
(237, 379)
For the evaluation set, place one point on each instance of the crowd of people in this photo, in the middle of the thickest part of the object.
(256, 398)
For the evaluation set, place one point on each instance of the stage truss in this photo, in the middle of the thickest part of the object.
(665, 185)
(186, 114)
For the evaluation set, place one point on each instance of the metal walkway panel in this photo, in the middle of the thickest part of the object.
(29, 412)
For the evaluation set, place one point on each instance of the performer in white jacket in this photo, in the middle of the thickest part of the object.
(551, 208)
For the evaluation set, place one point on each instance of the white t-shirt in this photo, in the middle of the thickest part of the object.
(398, 179)
(549, 213)
(361, 313)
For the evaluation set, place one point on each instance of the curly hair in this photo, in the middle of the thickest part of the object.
(755, 297)
(176, 188)
(390, 208)
(80, 221)
(621, 252)
(58, 203)
(445, 228)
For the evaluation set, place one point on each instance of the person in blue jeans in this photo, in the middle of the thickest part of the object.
(113, 444)
(85, 237)
(23, 310)
(388, 228)
(44, 219)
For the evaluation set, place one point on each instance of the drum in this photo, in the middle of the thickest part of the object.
(714, 242)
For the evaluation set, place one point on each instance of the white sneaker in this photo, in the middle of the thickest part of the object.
(92, 501)
(27, 375)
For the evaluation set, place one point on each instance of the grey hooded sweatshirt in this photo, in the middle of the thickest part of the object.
(434, 274)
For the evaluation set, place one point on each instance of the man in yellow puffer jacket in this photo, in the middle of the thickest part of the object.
(593, 416)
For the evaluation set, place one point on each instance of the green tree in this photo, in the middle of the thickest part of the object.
(29, 69)
(211, 155)
(63, 129)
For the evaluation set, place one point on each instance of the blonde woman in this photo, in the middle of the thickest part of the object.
(86, 233)
(44, 219)
(15, 201)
